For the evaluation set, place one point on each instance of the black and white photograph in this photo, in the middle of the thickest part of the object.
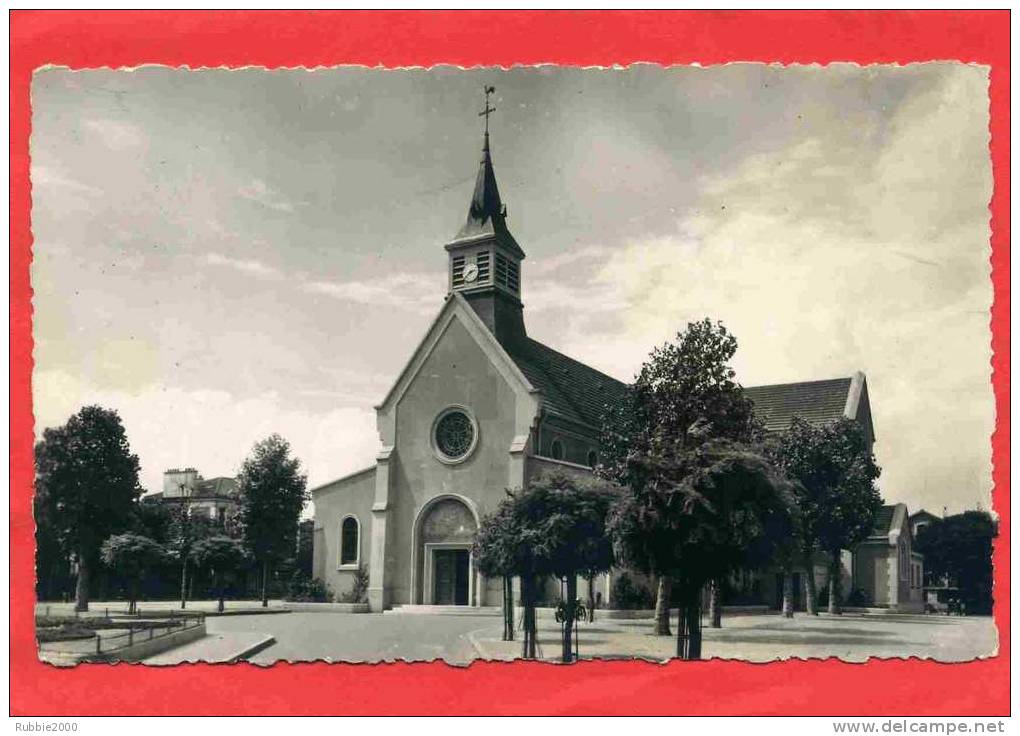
(549, 363)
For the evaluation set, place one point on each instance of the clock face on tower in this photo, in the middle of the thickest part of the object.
(470, 272)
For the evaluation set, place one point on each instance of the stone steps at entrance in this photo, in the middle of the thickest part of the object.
(446, 610)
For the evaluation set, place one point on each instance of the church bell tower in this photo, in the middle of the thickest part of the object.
(484, 258)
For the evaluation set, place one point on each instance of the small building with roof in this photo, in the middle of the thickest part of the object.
(921, 519)
(215, 498)
(887, 571)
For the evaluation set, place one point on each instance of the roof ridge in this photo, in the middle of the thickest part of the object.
(798, 383)
(575, 360)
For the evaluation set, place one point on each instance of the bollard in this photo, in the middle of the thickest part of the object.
(131, 636)
(47, 611)
(151, 629)
(108, 612)
(99, 645)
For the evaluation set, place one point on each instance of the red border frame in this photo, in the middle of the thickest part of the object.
(395, 38)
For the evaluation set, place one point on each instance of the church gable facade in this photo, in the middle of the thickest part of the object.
(480, 408)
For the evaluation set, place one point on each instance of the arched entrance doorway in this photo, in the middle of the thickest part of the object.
(444, 569)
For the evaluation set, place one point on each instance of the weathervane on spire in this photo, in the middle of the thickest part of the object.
(488, 109)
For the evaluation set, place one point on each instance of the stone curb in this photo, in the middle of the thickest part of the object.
(248, 650)
(254, 649)
(309, 607)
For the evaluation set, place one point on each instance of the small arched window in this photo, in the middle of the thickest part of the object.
(349, 541)
(593, 458)
(556, 450)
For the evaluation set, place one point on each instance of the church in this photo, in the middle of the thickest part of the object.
(479, 408)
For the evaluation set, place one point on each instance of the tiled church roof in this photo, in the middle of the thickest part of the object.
(569, 388)
(577, 392)
(814, 401)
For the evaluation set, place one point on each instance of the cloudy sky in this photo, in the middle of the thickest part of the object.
(224, 254)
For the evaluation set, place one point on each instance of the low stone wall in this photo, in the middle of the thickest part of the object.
(620, 613)
(148, 647)
(309, 607)
(880, 610)
(616, 613)
(141, 649)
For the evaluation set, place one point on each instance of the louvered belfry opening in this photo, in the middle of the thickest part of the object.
(485, 259)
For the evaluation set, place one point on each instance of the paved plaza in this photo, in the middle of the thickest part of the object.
(365, 637)
(460, 639)
(769, 637)
(338, 637)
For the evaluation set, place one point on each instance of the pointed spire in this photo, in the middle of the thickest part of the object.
(486, 210)
(486, 214)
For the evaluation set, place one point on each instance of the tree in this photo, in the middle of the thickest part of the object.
(52, 560)
(554, 527)
(495, 551)
(88, 477)
(186, 529)
(273, 493)
(835, 475)
(684, 382)
(221, 556)
(132, 556)
(959, 550)
(706, 506)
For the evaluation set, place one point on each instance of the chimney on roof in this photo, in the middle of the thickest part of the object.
(179, 483)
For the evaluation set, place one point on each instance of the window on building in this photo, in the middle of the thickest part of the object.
(556, 450)
(593, 458)
(349, 542)
(454, 434)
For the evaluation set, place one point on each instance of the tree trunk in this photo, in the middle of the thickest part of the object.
(591, 599)
(787, 594)
(835, 584)
(570, 608)
(265, 583)
(528, 647)
(184, 581)
(810, 591)
(508, 608)
(81, 585)
(714, 605)
(662, 607)
(688, 628)
(219, 591)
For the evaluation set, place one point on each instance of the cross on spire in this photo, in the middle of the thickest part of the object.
(488, 109)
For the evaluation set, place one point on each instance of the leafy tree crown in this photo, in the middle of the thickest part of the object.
(272, 494)
(86, 480)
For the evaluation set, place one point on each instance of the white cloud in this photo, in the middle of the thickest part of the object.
(248, 266)
(403, 291)
(213, 431)
(47, 176)
(258, 191)
(407, 291)
(116, 134)
(830, 256)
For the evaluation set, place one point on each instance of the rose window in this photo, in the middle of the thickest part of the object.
(455, 434)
